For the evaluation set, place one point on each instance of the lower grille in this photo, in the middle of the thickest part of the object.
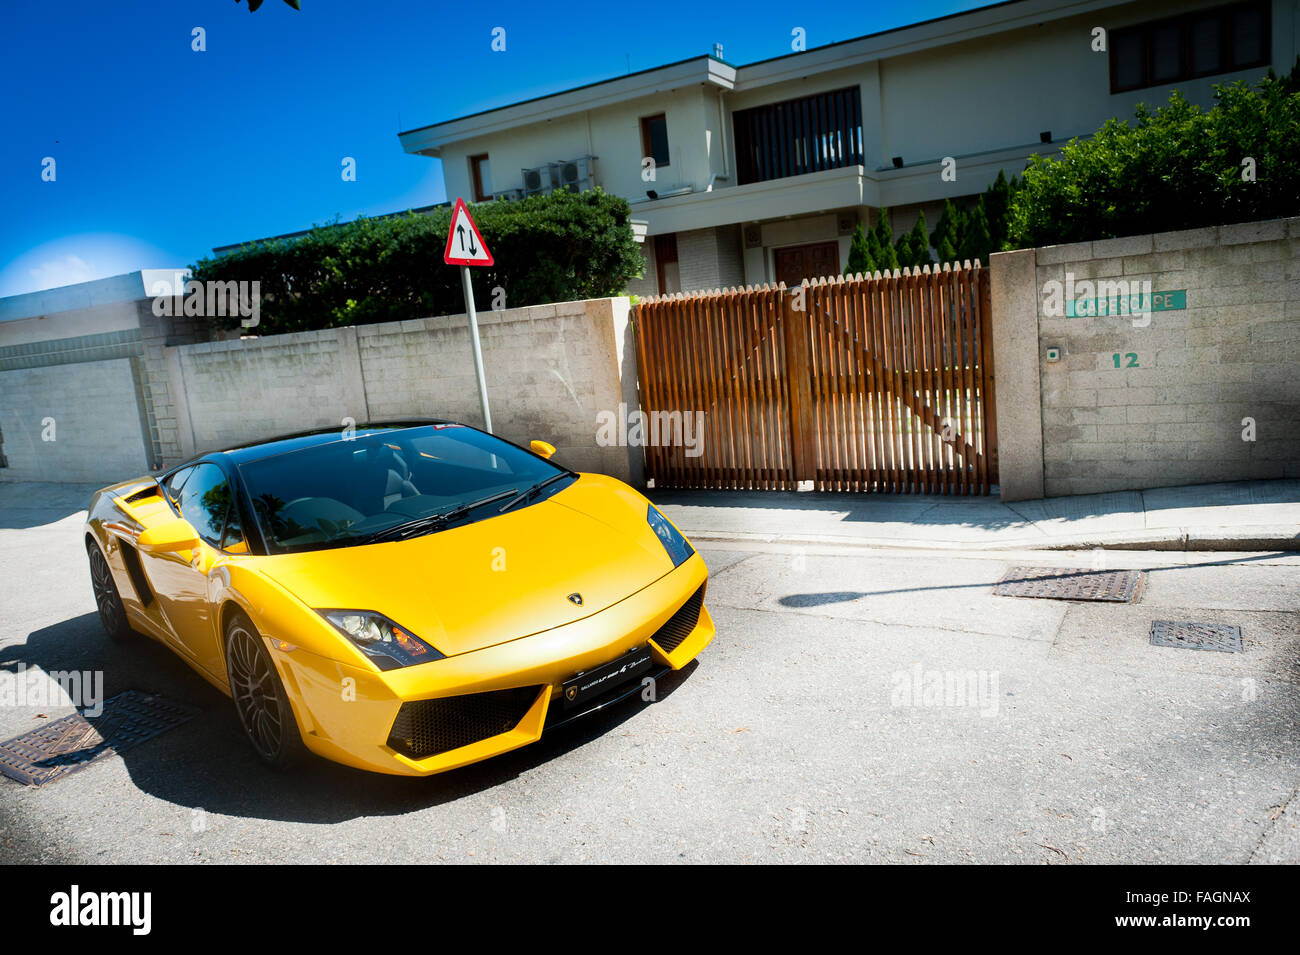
(679, 625)
(426, 728)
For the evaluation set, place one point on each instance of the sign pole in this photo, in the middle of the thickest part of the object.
(478, 350)
(465, 247)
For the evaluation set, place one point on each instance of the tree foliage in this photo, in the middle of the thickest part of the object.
(875, 249)
(254, 4)
(1176, 167)
(961, 234)
(972, 233)
(561, 247)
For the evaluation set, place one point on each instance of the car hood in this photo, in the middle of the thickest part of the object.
(495, 580)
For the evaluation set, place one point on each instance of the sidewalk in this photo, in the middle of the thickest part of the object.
(1243, 516)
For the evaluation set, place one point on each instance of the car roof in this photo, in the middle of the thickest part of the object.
(269, 447)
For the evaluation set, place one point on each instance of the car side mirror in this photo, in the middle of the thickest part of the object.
(169, 537)
(542, 448)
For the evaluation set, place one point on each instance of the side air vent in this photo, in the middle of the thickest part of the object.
(133, 569)
(148, 491)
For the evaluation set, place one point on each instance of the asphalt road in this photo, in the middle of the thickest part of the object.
(796, 737)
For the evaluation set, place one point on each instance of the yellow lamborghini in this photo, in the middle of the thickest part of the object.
(405, 598)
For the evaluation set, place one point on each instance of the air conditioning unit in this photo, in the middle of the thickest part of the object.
(574, 174)
(539, 181)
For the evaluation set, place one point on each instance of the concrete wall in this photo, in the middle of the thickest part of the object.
(72, 332)
(710, 258)
(90, 412)
(551, 369)
(1173, 414)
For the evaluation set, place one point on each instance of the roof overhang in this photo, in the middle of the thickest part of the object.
(929, 34)
(1004, 17)
(701, 70)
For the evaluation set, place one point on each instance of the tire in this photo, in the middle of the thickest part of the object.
(112, 614)
(261, 703)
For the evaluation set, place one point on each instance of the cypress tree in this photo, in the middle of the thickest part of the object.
(860, 259)
(948, 233)
(914, 247)
(882, 242)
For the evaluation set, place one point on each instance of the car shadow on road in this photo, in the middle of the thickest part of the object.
(207, 764)
(824, 598)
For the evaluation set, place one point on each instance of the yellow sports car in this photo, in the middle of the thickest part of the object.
(405, 598)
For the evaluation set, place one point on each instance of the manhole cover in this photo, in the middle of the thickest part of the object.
(1057, 583)
(56, 749)
(1196, 636)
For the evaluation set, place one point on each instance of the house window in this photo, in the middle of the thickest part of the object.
(654, 138)
(480, 174)
(666, 267)
(1166, 51)
(798, 136)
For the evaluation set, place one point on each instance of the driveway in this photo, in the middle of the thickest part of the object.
(857, 705)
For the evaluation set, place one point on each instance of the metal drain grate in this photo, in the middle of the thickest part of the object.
(1196, 636)
(1060, 583)
(73, 742)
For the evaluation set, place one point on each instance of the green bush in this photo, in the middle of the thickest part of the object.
(969, 234)
(1178, 167)
(877, 250)
(556, 248)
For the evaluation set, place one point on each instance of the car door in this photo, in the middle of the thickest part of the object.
(181, 579)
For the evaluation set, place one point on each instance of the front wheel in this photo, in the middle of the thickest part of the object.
(109, 602)
(261, 702)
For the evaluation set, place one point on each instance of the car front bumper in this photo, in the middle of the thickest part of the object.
(347, 713)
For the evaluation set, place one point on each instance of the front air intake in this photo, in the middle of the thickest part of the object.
(679, 625)
(426, 728)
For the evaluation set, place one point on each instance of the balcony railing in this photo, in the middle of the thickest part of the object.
(798, 136)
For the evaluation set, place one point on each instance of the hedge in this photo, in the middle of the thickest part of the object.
(561, 247)
(1177, 167)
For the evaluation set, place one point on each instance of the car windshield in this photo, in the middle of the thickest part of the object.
(384, 484)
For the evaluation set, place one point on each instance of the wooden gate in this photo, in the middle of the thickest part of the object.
(881, 383)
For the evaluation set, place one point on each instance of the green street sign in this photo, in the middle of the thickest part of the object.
(1126, 304)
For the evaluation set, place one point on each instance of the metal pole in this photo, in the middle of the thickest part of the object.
(478, 351)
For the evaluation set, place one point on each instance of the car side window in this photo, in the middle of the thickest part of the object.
(232, 538)
(205, 501)
(173, 483)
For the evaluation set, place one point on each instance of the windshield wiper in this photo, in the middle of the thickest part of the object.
(525, 495)
(411, 528)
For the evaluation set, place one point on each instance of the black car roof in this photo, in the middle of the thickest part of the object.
(269, 447)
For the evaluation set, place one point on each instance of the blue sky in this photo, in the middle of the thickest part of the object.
(162, 153)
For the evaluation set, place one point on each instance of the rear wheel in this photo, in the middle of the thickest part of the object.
(109, 602)
(261, 702)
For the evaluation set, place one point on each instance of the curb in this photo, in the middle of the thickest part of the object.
(1247, 538)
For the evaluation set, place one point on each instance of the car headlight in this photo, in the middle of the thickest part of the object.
(386, 643)
(677, 546)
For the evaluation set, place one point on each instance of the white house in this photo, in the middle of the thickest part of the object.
(762, 171)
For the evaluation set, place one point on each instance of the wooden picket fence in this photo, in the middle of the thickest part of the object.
(865, 383)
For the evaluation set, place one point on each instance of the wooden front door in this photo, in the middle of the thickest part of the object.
(799, 262)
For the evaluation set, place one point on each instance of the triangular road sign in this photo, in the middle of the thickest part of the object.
(464, 244)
